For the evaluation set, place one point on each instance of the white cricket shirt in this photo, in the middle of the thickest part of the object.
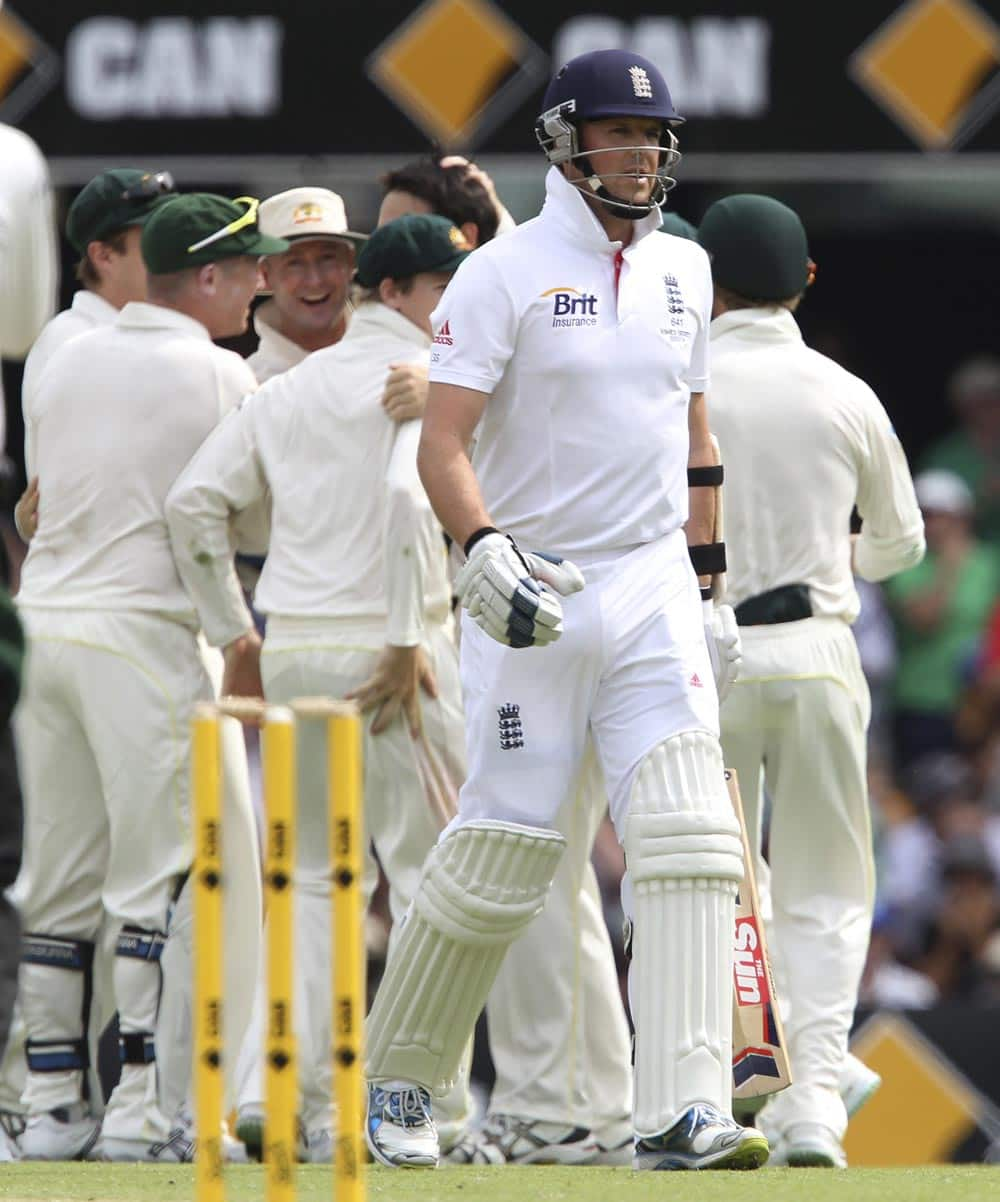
(340, 473)
(274, 354)
(29, 252)
(119, 412)
(87, 312)
(803, 441)
(590, 353)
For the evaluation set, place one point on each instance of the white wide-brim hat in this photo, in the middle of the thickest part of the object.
(302, 213)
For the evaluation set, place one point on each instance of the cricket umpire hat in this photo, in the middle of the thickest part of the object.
(409, 245)
(115, 199)
(200, 227)
(758, 247)
(302, 213)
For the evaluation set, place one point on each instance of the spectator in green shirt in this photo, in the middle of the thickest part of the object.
(973, 450)
(941, 608)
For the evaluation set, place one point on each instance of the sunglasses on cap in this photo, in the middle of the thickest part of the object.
(234, 227)
(153, 183)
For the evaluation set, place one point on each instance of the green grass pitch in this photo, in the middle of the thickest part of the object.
(161, 1183)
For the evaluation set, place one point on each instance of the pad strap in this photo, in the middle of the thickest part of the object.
(56, 1055)
(52, 951)
(138, 944)
(710, 476)
(137, 1047)
(708, 559)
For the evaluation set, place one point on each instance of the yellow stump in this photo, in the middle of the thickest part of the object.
(344, 779)
(279, 867)
(207, 1068)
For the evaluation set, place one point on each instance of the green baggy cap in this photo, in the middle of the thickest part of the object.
(758, 247)
(674, 223)
(200, 227)
(115, 199)
(411, 244)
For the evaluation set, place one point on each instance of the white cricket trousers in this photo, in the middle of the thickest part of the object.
(103, 743)
(796, 720)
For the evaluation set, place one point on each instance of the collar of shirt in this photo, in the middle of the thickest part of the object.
(273, 343)
(93, 307)
(374, 316)
(565, 205)
(142, 315)
(768, 324)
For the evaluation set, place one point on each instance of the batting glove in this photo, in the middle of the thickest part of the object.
(724, 647)
(510, 595)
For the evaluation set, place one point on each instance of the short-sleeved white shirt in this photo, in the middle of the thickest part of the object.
(590, 353)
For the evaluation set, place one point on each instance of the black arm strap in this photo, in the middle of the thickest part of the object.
(705, 477)
(708, 559)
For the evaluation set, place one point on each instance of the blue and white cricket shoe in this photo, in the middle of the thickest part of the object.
(702, 1138)
(400, 1128)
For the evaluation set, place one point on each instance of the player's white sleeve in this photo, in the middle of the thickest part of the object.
(892, 530)
(475, 326)
(406, 512)
(224, 478)
(29, 253)
(696, 376)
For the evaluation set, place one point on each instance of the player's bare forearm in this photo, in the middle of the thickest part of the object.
(443, 459)
(700, 526)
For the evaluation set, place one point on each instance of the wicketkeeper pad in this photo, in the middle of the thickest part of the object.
(481, 886)
(685, 863)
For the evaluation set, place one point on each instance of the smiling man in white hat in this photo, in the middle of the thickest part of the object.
(307, 309)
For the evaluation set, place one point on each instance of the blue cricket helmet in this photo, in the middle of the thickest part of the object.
(612, 83)
(608, 83)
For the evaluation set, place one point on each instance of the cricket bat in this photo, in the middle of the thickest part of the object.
(760, 1061)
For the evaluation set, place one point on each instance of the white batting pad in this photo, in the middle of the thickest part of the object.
(481, 886)
(685, 862)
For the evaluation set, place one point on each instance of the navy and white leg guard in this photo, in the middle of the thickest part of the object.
(137, 1017)
(56, 994)
(685, 862)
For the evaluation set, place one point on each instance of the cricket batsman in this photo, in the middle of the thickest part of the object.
(804, 442)
(576, 350)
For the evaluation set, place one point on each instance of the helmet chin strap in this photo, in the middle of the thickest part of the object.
(621, 208)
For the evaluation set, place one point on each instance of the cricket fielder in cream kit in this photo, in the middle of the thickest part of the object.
(804, 442)
(575, 351)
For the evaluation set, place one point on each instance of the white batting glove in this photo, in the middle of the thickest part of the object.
(724, 646)
(498, 587)
(561, 574)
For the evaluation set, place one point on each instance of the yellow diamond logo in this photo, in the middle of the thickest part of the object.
(457, 68)
(28, 68)
(925, 1108)
(933, 66)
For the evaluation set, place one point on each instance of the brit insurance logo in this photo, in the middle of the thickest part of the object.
(571, 307)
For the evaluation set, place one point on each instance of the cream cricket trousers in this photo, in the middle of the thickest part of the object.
(103, 743)
(796, 720)
(410, 789)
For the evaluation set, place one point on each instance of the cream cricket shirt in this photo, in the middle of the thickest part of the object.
(87, 312)
(342, 478)
(119, 412)
(802, 442)
(590, 353)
